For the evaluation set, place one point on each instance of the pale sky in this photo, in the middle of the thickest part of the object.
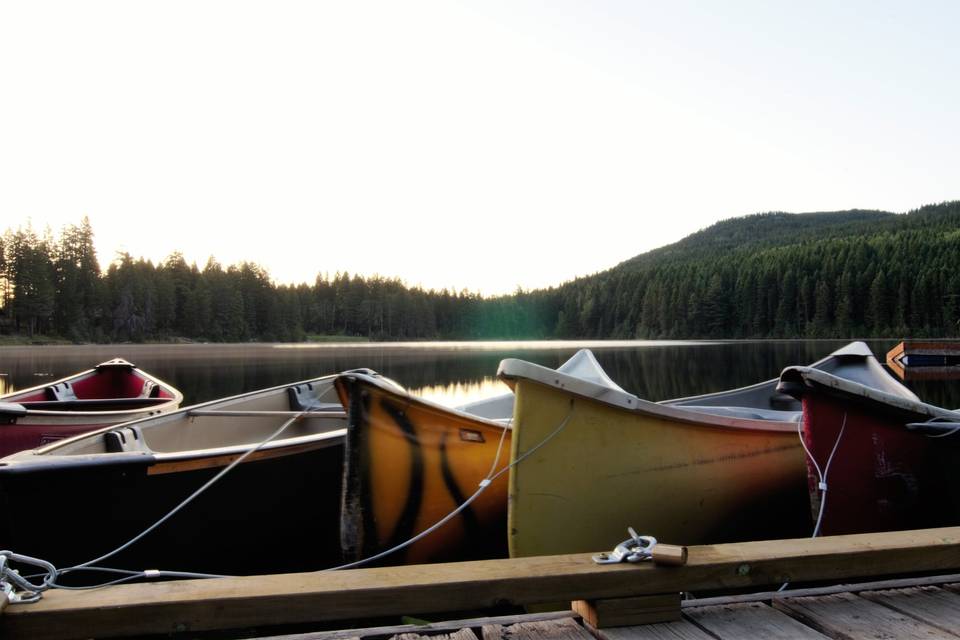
(479, 145)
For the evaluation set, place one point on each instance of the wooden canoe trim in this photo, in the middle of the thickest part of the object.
(918, 347)
(232, 603)
(626, 612)
(896, 353)
(942, 371)
(176, 466)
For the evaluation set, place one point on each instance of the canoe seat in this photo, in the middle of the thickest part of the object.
(749, 413)
(304, 397)
(61, 391)
(125, 440)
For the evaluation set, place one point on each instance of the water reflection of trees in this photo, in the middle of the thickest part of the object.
(655, 371)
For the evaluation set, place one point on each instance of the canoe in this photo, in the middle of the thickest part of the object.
(409, 462)
(890, 460)
(592, 460)
(924, 360)
(112, 392)
(277, 511)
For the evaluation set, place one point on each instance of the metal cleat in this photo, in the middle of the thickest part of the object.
(636, 548)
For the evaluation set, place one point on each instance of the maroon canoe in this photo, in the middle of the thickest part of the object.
(889, 459)
(112, 392)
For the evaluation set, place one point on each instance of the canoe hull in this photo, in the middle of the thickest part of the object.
(409, 463)
(883, 477)
(273, 515)
(610, 468)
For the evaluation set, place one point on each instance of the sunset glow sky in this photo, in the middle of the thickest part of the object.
(478, 145)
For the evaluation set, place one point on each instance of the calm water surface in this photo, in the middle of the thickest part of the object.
(449, 372)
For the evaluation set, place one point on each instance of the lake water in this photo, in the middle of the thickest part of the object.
(448, 372)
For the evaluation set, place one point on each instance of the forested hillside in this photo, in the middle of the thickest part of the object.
(841, 274)
(851, 273)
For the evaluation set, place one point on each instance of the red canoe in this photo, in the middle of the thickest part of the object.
(110, 393)
(889, 459)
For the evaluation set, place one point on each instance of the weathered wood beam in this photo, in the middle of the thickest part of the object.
(229, 603)
(627, 612)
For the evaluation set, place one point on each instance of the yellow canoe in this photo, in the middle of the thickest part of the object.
(594, 460)
(410, 462)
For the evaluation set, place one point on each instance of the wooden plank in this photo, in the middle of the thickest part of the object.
(851, 617)
(374, 633)
(565, 629)
(233, 603)
(937, 607)
(462, 634)
(683, 630)
(624, 612)
(847, 587)
(751, 620)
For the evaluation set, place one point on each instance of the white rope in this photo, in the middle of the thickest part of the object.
(821, 477)
(31, 592)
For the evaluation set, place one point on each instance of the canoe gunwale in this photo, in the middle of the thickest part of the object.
(403, 395)
(36, 463)
(512, 369)
(134, 414)
(856, 349)
(800, 380)
(24, 466)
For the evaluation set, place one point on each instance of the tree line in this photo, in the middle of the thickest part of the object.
(53, 286)
(868, 274)
(842, 274)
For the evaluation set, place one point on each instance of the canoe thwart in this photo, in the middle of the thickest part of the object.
(260, 414)
(625, 612)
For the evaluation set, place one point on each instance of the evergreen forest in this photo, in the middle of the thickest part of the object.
(771, 275)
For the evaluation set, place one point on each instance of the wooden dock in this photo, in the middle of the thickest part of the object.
(920, 360)
(614, 598)
(926, 608)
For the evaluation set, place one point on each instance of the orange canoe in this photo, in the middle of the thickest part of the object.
(409, 463)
